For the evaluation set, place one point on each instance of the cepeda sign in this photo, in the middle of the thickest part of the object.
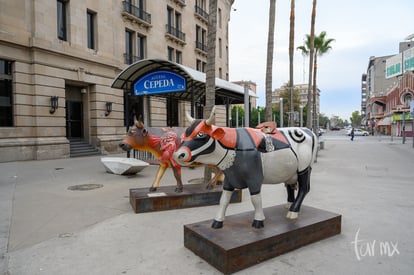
(159, 82)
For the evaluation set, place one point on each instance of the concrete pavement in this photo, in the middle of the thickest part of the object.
(47, 229)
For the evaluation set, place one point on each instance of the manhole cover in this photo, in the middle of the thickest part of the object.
(85, 187)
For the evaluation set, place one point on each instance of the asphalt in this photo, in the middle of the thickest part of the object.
(46, 228)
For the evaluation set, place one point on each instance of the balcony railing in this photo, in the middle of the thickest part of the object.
(200, 12)
(129, 58)
(175, 32)
(137, 12)
(200, 46)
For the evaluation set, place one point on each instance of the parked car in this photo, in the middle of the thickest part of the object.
(358, 132)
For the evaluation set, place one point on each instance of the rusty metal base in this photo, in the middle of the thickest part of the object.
(165, 198)
(237, 245)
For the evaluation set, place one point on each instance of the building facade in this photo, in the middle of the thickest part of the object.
(302, 91)
(387, 91)
(58, 60)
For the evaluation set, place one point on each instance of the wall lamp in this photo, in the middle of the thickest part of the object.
(54, 103)
(108, 108)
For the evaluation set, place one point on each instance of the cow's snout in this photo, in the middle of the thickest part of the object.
(182, 156)
(125, 146)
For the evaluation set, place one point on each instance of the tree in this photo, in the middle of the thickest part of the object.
(322, 45)
(211, 59)
(291, 47)
(269, 61)
(311, 51)
(286, 94)
(210, 70)
(355, 119)
(323, 120)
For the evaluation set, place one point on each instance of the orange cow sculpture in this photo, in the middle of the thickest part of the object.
(161, 143)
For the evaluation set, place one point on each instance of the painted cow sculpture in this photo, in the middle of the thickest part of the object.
(161, 142)
(252, 157)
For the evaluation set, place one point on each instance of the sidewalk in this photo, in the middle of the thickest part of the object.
(47, 229)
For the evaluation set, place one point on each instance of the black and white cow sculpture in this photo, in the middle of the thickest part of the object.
(252, 157)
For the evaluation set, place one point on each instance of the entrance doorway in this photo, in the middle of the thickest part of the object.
(74, 113)
(74, 120)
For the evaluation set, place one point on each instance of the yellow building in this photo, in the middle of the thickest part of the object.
(59, 59)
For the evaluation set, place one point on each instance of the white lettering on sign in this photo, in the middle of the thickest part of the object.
(162, 83)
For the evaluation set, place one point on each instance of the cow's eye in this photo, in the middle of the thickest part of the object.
(200, 134)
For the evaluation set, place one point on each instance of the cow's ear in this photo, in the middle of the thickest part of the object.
(218, 133)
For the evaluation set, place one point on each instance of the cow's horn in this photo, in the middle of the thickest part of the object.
(189, 117)
(210, 121)
(139, 122)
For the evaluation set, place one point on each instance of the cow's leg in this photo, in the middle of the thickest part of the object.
(158, 176)
(304, 187)
(290, 194)
(259, 217)
(224, 202)
(177, 175)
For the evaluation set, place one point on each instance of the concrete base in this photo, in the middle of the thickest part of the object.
(238, 245)
(165, 198)
(123, 166)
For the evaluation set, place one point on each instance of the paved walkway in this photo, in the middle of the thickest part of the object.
(47, 229)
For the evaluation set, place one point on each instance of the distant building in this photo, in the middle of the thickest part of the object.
(387, 90)
(252, 87)
(302, 89)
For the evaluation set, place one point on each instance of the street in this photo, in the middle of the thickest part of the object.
(48, 229)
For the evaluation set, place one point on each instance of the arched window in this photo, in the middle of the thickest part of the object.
(406, 99)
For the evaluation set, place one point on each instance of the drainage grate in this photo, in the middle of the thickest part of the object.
(85, 187)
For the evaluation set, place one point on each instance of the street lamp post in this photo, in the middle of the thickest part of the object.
(301, 115)
(281, 112)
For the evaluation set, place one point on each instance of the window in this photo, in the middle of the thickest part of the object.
(172, 112)
(407, 98)
(178, 57)
(170, 54)
(219, 18)
(220, 49)
(200, 66)
(141, 46)
(91, 22)
(170, 22)
(129, 50)
(6, 99)
(61, 20)
(220, 73)
(201, 38)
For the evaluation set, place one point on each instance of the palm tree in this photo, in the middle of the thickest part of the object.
(311, 51)
(269, 62)
(210, 93)
(321, 46)
(211, 59)
(291, 47)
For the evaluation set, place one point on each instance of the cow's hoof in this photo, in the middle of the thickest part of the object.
(153, 189)
(292, 215)
(258, 224)
(209, 187)
(217, 224)
(178, 190)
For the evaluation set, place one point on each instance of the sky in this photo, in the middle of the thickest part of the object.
(361, 29)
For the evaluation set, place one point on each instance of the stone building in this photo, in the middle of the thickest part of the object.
(59, 59)
(302, 90)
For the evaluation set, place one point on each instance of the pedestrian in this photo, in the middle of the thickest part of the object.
(352, 133)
